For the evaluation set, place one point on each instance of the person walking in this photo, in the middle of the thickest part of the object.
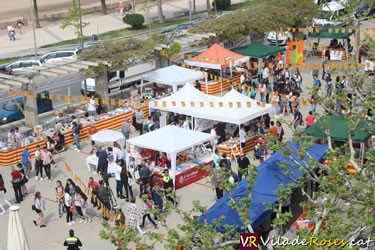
(72, 242)
(126, 130)
(3, 190)
(104, 195)
(37, 207)
(16, 180)
(133, 215)
(11, 35)
(94, 188)
(144, 174)
(139, 117)
(147, 207)
(157, 198)
(216, 183)
(243, 165)
(46, 157)
(91, 107)
(168, 187)
(280, 131)
(117, 170)
(59, 197)
(76, 131)
(68, 206)
(124, 175)
(24, 179)
(38, 163)
(26, 161)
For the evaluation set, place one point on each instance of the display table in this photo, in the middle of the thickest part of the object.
(215, 86)
(336, 55)
(229, 145)
(187, 172)
(112, 121)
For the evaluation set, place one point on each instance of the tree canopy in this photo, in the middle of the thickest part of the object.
(261, 17)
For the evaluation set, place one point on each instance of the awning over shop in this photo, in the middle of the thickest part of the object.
(338, 129)
(333, 32)
(216, 57)
(258, 50)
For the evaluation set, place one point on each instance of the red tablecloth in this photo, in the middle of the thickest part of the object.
(185, 178)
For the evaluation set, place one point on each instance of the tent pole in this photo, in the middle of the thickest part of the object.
(260, 61)
(221, 81)
(230, 69)
(362, 152)
(346, 49)
(173, 163)
(141, 86)
(239, 128)
(206, 80)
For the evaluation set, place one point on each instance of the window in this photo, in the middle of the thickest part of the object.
(35, 63)
(10, 106)
(25, 64)
(122, 73)
(14, 65)
(64, 54)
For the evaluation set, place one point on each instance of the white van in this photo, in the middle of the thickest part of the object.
(120, 79)
(328, 14)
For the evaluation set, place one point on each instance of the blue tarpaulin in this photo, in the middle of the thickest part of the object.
(271, 174)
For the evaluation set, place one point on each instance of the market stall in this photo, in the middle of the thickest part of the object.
(334, 32)
(217, 58)
(259, 51)
(176, 140)
(11, 154)
(338, 129)
(173, 76)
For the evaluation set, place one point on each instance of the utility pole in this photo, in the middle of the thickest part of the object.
(82, 41)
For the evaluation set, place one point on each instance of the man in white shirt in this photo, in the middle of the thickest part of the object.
(91, 108)
(118, 154)
(265, 74)
(213, 141)
(242, 78)
(242, 135)
(117, 171)
(186, 123)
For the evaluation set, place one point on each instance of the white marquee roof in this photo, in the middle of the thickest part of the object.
(170, 139)
(173, 76)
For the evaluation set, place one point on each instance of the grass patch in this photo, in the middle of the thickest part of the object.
(119, 33)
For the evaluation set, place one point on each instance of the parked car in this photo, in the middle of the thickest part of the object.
(13, 67)
(54, 56)
(10, 112)
(364, 9)
(282, 37)
(120, 79)
(329, 13)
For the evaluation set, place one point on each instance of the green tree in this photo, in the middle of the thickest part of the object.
(135, 20)
(261, 17)
(72, 20)
(171, 53)
(116, 55)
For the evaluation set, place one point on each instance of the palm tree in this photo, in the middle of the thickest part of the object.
(104, 7)
(37, 23)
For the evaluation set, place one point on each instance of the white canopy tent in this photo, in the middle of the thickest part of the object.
(173, 76)
(171, 140)
(232, 108)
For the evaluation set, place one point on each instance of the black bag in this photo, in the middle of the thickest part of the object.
(24, 180)
(5, 190)
(33, 207)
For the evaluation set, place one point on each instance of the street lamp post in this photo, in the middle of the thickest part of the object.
(33, 24)
(82, 42)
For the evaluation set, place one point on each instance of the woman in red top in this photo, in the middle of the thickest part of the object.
(310, 119)
(17, 183)
(165, 162)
